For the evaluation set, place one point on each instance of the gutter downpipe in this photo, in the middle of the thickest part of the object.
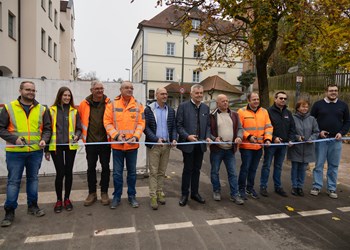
(19, 39)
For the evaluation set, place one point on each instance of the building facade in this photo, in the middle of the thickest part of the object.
(162, 56)
(37, 39)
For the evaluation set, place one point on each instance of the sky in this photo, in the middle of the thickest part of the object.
(104, 32)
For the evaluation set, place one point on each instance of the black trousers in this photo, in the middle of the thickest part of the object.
(191, 171)
(93, 152)
(63, 158)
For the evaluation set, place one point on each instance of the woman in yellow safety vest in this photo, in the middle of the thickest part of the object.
(66, 131)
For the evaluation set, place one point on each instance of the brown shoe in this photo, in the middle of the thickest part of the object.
(90, 199)
(104, 199)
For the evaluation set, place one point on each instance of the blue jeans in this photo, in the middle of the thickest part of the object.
(250, 162)
(118, 166)
(228, 157)
(330, 151)
(16, 161)
(298, 173)
(278, 153)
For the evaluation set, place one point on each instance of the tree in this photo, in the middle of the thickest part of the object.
(246, 79)
(89, 76)
(250, 29)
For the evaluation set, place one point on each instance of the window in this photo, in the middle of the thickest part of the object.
(197, 52)
(72, 21)
(12, 25)
(196, 23)
(49, 46)
(50, 9)
(170, 49)
(151, 94)
(43, 4)
(71, 44)
(169, 74)
(0, 16)
(55, 18)
(55, 52)
(195, 76)
(43, 40)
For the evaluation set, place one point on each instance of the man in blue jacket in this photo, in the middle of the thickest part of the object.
(161, 129)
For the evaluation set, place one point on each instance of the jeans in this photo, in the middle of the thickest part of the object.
(130, 156)
(330, 151)
(298, 173)
(250, 162)
(16, 161)
(278, 153)
(216, 157)
(93, 153)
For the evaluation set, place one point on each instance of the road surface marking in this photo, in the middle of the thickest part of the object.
(315, 212)
(173, 225)
(344, 209)
(272, 216)
(49, 237)
(113, 231)
(223, 221)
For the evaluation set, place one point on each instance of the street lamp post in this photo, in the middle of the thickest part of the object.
(129, 72)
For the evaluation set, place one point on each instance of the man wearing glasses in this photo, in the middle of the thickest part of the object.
(332, 116)
(25, 126)
(283, 132)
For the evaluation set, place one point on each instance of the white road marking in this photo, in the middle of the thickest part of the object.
(223, 221)
(113, 231)
(272, 216)
(173, 225)
(344, 209)
(50, 237)
(315, 212)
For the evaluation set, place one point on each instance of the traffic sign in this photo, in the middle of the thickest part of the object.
(182, 90)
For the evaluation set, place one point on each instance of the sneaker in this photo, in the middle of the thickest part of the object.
(242, 194)
(332, 194)
(58, 207)
(115, 202)
(263, 192)
(68, 205)
(133, 202)
(237, 200)
(252, 194)
(314, 191)
(281, 192)
(294, 191)
(217, 196)
(90, 199)
(154, 203)
(104, 199)
(35, 210)
(300, 192)
(161, 197)
(9, 217)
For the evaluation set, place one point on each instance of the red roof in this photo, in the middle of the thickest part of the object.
(217, 83)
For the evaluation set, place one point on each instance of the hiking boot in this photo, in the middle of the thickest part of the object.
(115, 202)
(58, 207)
(9, 217)
(217, 196)
(281, 192)
(68, 205)
(252, 194)
(332, 194)
(242, 194)
(314, 191)
(263, 192)
(161, 198)
(133, 202)
(237, 200)
(35, 210)
(154, 203)
(104, 199)
(300, 192)
(90, 199)
(294, 191)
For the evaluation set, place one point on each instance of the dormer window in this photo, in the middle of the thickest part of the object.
(196, 23)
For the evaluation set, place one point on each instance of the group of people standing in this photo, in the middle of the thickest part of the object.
(117, 125)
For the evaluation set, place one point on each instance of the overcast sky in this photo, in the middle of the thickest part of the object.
(104, 32)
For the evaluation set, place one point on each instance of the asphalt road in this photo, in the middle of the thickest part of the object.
(266, 223)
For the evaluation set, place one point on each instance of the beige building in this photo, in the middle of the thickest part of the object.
(160, 56)
(37, 39)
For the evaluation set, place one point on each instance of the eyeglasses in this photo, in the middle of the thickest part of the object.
(98, 89)
(282, 98)
(30, 90)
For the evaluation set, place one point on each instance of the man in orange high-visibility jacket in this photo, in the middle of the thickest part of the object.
(124, 122)
(257, 130)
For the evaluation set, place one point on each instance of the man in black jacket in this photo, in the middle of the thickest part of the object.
(283, 132)
(160, 128)
(192, 122)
